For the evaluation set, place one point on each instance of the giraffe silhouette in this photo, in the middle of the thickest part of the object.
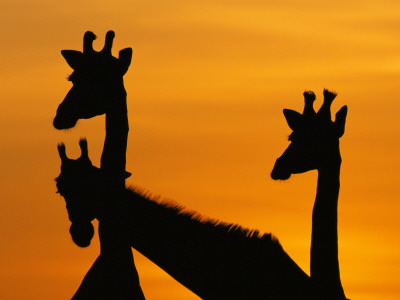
(315, 146)
(217, 260)
(98, 82)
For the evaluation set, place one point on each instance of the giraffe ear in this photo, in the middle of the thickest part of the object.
(74, 58)
(125, 58)
(340, 121)
(293, 118)
(61, 152)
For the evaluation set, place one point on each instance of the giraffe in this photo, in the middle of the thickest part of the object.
(315, 146)
(97, 80)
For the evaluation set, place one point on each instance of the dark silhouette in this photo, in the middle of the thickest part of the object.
(315, 146)
(97, 89)
(97, 80)
(213, 259)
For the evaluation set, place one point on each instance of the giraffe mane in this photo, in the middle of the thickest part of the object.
(172, 208)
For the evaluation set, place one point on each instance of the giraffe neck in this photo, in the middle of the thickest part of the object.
(324, 263)
(113, 159)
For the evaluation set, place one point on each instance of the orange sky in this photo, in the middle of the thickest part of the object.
(206, 90)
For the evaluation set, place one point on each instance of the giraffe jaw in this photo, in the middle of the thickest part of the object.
(278, 175)
(63, 124)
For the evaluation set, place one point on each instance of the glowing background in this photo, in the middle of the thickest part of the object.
(208, 82)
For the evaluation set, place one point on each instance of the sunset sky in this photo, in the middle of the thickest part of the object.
(206, 89)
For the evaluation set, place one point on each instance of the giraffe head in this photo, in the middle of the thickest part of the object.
(82, 186)
(77, 183)
(314, 141)
(97, 80)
